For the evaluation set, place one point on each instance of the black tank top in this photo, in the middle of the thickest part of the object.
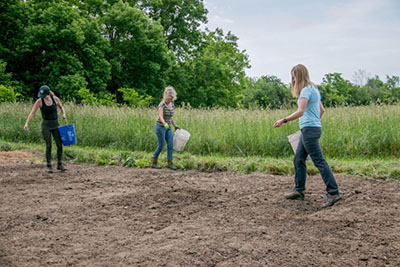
(49, 112)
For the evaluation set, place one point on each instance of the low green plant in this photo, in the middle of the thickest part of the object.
(133, 99)
(395, 174)
(87, 97)
(8, 94)
(104, 98)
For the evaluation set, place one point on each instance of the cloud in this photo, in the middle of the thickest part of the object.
(220, 20)
(328, 36)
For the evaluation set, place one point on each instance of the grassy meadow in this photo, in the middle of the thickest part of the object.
(348, 132)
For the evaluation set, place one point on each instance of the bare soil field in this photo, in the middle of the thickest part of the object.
(115, 216)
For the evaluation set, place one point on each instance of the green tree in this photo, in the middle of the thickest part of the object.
(181, 20)
(92, 8)
(56, 41)
(393, 85)
(5, 78)
(335, 90)
(215, 76)
(69, 85)
(359, 96)
(267, 91)
(49, 49)
(138, 54)
(378, 90)
(96, 69)
(14, 17)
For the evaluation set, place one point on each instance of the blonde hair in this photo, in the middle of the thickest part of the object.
(170, 92)
(51, 93)
(300, 72)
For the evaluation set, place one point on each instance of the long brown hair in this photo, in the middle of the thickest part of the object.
(300, 73)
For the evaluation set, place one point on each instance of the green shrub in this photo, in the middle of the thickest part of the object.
(87, 97)
(103, 99)
(106, 99)
(133, 99)
(7, 94)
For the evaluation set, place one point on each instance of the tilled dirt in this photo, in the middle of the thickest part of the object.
(115, 216)
(18, 156)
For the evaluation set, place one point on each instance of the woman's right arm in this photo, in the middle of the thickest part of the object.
(34, 109)
(295, 115)
(161, 115)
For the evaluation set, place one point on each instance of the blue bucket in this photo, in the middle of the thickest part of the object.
(67, 133)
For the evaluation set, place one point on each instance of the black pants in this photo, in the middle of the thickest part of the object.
(49, 128)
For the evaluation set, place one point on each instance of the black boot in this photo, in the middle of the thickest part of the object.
(154, 164)
(61, 167)
(332, 199)
(171, 166)
(49, 169)
(295, 195)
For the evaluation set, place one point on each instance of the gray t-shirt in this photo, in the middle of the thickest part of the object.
(167, 113)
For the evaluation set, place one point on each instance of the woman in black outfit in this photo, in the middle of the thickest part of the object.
(48, 103)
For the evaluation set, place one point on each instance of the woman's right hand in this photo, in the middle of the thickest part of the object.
(26, 127)
(278, 123)
(166, 126)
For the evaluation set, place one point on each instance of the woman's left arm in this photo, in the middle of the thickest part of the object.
(321, 107)
(174, 123)
(58, 102)
(295, 115)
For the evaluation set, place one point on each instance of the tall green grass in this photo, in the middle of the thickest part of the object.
(366, 132)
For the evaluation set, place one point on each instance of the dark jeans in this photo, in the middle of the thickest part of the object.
(49, 128)
(309, 145)
(164, 134)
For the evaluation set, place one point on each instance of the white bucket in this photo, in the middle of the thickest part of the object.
(180, 139)
(294, 141)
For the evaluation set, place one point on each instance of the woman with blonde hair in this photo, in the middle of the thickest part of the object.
(310, 110)
(163, 127)
(48, 103)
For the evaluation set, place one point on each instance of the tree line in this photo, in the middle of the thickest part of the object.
(127, 51)
(271, 92)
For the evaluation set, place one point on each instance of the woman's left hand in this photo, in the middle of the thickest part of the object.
(64, 117)
(278, 123)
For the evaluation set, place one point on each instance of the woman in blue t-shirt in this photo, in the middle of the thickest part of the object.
(310, 110)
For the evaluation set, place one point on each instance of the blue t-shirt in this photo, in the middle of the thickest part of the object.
(311, 116)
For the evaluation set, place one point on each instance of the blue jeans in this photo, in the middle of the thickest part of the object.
(309, 145)
(164, 134)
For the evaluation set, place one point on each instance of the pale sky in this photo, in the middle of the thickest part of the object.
(325, 35)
